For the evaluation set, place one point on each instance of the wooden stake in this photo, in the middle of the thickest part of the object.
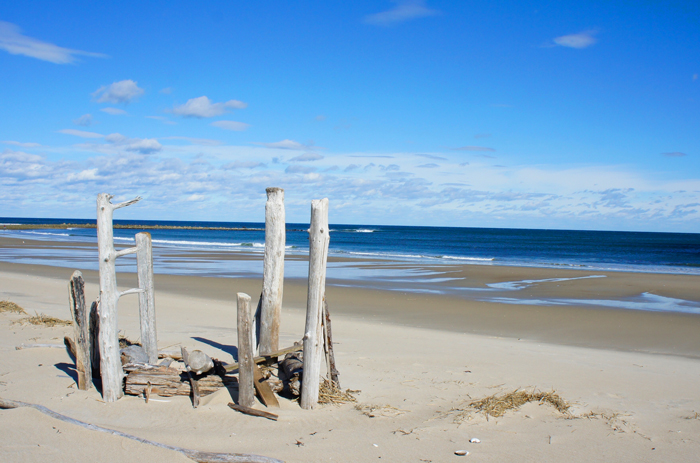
(319, 238)
(147, 302)
(110, 363)
(246, 394)
(81, 330)
(273, 271)
(328, 346)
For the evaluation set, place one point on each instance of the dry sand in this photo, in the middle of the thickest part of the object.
(418, 360)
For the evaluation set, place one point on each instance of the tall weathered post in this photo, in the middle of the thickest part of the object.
(246, 361)
(147, 301)
(319, 238)
(273, 271)
(110, 362)
(81, 330)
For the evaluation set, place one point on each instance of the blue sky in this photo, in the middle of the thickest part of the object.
(579, 115)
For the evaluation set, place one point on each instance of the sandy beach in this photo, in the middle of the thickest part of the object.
(418, 359)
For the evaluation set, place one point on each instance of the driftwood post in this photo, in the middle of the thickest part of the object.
(273, 271)
(110, 363)
(81, 330)
(319, 238)
(147, 302)
(246, 394)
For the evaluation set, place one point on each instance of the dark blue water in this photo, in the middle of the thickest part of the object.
(599, 250)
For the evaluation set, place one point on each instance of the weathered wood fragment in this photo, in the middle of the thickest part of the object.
(328, 346)
(267, 397)
(95, 340)
(193, 382)
(246, 394)
(81, 330)
(196, 455)
(110, 364)
(273, 271)
(295, 348)
(167, 382)
(200, 362)
(253, 412)
(147, 301)
(291, 370)
(70, 346)
(319, 238)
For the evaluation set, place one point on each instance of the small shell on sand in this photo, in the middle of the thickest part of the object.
(461, 453)
(474, 440)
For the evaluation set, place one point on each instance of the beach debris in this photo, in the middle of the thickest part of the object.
(81, 330)
(8, 306)
(167, 381)
(290, 371)
(193, 382)
(496, 405)
(297, 347)
(196, 455)
(330, 393)
(253, 412)
(200, 362)
(474, 440)
(461, 453)
(34, 346)
(43, 320)
(133, 354)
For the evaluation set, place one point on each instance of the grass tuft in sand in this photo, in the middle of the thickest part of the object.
(44, 320)
(497, 405)
(330, 393)
(7, 306)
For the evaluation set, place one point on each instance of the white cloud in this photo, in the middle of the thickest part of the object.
(84, 175)
(306, 157)
(299, 169)
(242, 165)
(231, 125)
(137, 145)
(14, 42)
(581, 40)
(23, 145)
(114, 111)
(18, 165)
(404, 10)
(118, 92)
(81, 133)
(85, 120)
(284, 145)
(196, 141)
(203, 107)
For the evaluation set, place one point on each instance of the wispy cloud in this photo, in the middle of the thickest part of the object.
(84, 121)
(284, 145)
(674, 154)
(581, 40)
(21, 144)
(118, 92)
(432, 165)
(432, 156)
(405, 10)
(306, 157)
(137, 145)
(114, 111)
(14, 42)
(202, 107)
(196, 141)
(473, 148)
(81, 133)
(231, 125)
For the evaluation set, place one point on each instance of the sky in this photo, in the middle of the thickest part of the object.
(514, 114)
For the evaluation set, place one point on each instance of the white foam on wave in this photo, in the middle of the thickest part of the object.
(45, 233)
(515, 285)
(476, 259)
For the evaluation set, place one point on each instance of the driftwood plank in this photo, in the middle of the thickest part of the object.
(246, 393)
(253, 412)
(266, 395)
(273, 271)
(196, 455)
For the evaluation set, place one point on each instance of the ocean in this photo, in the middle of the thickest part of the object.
(400, 258)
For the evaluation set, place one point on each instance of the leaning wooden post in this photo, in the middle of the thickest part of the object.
(81, 330)
(319, 238)
(273, 271)
(246, 363)
(110, 362)
(147, 302)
